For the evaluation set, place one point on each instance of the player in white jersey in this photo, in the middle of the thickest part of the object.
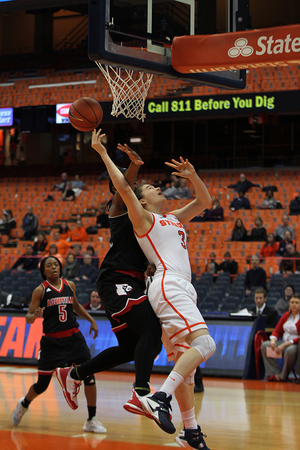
(171, 294)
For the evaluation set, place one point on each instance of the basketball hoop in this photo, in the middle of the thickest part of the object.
(129, 90)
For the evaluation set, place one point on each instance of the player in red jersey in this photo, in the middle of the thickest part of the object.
(62, 343)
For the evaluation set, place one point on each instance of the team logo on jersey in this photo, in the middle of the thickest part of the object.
(48, 290)
(123, 289)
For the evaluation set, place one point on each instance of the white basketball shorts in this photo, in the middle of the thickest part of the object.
(174, 301)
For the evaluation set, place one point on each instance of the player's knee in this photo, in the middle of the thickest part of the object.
(205, 345)
(42, 383)
(89, 381)
(190, 379)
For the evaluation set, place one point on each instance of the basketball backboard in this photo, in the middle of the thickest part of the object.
(138, 34)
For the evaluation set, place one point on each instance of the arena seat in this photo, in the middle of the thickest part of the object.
(206, 307)
(228, 307)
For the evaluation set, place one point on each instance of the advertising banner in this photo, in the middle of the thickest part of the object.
(267, 47)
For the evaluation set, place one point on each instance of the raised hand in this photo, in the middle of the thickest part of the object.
(133, 156)
(94, 329)
(96, 142)
(184, 168)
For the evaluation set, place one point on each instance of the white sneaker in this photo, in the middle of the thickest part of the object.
(134, 406)
(18, 413)
(94, 426)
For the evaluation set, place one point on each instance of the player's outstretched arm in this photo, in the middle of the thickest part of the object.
(185, 169)
(140, 218)
(118, 206)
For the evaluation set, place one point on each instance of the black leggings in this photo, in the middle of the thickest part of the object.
(140, 342)
(42, 383)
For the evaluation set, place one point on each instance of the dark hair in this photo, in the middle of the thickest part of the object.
(52, 246)
(111, 186)
(242, 226)
(43, 262)
(60, 229)
(138, 191)
(290, 286)
(295, 296)
(258, 218)
(260, 291)
(90, 247)
(93, 290)
(288, 231)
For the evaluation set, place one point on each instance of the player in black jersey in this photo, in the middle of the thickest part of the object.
(121, 286)
(62, 343)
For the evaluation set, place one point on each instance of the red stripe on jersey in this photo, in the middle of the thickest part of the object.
(152, 245)
(183, 346)
(120, 327)
(62, 334)
(45, 372)
(189, 327)
(129, 304)
(46, 284)
(172, 306)
(133, 273)
(67, 283)
(148, 230)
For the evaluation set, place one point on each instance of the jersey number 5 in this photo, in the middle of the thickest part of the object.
(62, 313)
(182, 235)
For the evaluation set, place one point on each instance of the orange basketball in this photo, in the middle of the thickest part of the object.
(85, 114)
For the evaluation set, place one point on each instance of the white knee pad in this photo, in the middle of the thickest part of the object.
(190, 378)
(205, 345)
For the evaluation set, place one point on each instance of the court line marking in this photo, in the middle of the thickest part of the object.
(21, 370)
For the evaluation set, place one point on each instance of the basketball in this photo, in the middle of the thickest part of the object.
(85, 114)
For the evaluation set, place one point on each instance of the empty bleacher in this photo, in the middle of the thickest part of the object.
(49, 86)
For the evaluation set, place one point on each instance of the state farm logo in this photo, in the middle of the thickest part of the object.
(268, 45)
(241, 47)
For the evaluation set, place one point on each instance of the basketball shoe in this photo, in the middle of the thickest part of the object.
(69, 386)
(18, 413)
(134, 406)
(191, 439)
(94, 426)
(158, 405)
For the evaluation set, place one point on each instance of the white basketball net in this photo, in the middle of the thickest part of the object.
(129, 90)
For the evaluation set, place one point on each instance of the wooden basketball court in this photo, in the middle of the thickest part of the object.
(235, 415)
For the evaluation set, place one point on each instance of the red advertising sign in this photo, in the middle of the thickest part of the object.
(268, 47)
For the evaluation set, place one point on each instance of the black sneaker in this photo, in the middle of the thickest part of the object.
(191, 439)
(158, 405)
(198, 388)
